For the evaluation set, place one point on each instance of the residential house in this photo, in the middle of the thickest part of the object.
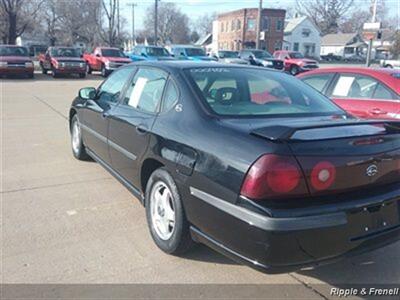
(343, 44)
(302, 35)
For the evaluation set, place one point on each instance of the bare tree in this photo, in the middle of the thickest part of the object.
(327, 14)
(203, 24)
(173, 25)
(109, 32)
(17, 16)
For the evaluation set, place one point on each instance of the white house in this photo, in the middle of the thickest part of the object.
(342, 44)
(301, 34)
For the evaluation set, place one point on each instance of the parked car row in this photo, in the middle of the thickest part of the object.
(15, 60)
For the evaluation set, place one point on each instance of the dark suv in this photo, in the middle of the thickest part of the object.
(261, 58)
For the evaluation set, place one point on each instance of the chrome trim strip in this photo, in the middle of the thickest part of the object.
(122, 150)
(93, 132)
(269, 223)
(109, 142)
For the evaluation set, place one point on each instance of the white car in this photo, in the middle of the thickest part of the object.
(390, 63)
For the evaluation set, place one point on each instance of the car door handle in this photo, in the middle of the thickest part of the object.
(377, 111)
(141, 129)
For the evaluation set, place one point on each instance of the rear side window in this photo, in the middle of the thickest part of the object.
(170, 96)
(383, 93)
(145, 91)
(318, 82)
(249, 92)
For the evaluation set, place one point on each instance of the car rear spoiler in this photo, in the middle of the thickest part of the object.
(281, 133)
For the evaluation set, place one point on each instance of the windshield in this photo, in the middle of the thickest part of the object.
(228, 54)
(152, 51)
(262, 54)
(296, 55)
(64, 52)
(251, 92)
(13, 51)
(195, 52)
(112, 53)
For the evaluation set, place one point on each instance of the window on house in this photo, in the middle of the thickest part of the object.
(232, 25)
(238, 24)
(278, 45)
(279, 25)
(306, 32)
(251, 24)
(296, 47)
(264, 23)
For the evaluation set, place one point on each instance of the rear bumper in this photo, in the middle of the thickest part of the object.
(275, 245)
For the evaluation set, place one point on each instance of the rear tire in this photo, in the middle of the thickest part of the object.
(166, 217)
(54, 73)
(78, 148)
(44, 71)
(88, 69)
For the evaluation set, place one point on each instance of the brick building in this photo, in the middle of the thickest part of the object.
(238, 29)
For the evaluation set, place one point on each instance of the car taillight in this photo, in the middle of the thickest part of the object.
(274, 176)
(323, 175)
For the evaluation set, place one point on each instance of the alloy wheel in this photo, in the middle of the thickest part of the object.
(162, 211)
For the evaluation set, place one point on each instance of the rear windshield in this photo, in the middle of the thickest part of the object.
(13, 51)
(65, 52)
(296, 55)
(262, 54)
(228, 54)
(112, 53)
(195, 52)
(152, 51)
(255, 92)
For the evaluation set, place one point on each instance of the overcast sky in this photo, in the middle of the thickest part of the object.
(196, 8)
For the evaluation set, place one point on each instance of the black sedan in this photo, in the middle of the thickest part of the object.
(249, 161)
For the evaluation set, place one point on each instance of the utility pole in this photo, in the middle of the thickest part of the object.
(155, 22)
(370, 41)
(132, 5)
(118, 19)
(259, 24)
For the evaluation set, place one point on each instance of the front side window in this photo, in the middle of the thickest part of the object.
(111, 89)
(195, 52)
(318, 82)
(153, 51)
(249, 92)
(354, 86)
(145, 91)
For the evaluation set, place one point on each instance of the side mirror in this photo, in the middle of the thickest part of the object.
(97, 55)
(251, 56)
(144, 54)
(182, 54)
(88, 93)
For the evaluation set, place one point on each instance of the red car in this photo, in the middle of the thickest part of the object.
(363, 92)
(295, 62)
(106, 60)
(62, 61)
(15, 60)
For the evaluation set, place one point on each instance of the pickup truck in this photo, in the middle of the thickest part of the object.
(390, 63)
(62, 61)
(295, 62)
(105, 60)
(15, 60)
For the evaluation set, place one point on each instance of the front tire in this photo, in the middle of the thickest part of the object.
(54, 73)
(104, 71)
(166, 218)
(78, 148)
(389, 66)
(294, 70)
(44, 70)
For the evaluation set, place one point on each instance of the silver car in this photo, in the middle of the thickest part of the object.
(229, 57)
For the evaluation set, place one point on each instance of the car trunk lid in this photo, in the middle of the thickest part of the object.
(343, 155)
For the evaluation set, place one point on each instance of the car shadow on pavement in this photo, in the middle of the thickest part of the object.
(203, 253)
(381, 266)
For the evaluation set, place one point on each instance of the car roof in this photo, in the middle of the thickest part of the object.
(382, 74)
(178, 65)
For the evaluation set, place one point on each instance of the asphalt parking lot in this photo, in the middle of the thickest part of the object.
(66, 221)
